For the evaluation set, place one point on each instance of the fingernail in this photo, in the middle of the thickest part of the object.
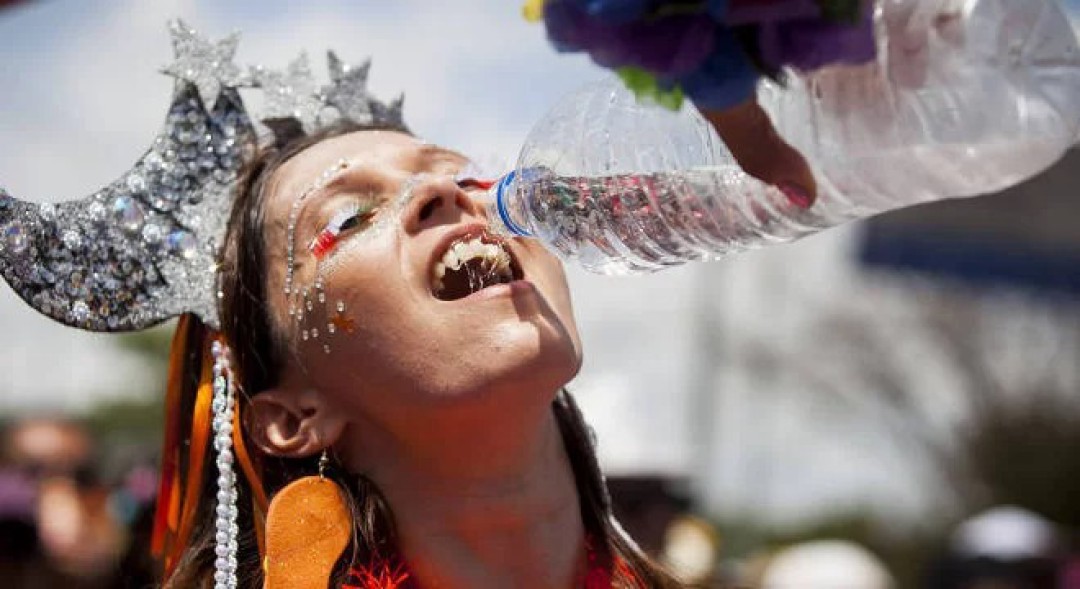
(796, 194)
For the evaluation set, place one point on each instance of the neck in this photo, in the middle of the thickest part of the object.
(490, 503)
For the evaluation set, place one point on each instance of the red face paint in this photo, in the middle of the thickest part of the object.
(328, 237)
(481, 184)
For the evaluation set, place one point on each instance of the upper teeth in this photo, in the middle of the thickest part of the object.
(463, 251)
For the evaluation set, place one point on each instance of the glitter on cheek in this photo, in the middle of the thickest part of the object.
(357, 243)
(350, 249)
(316, 319)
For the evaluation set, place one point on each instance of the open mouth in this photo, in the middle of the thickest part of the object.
(471, 264)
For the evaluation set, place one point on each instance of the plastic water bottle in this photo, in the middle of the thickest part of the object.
(622, 187)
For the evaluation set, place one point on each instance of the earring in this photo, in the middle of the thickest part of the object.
(324, 462)
(308, 526)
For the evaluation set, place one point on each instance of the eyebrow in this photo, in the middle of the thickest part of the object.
(429, 152)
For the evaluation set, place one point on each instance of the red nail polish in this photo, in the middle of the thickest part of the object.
(796, 195)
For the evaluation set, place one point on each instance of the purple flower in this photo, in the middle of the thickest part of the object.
(668, 47)
(813, 43)
(725, 79)
(698, 52)
(794, 33)
(748, 12)
(613, 11)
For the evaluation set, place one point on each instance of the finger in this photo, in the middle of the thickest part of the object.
(762, 153)
(907, 26)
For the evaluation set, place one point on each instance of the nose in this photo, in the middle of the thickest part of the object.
(436, 201)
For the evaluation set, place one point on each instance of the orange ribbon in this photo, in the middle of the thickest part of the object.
(179, 489)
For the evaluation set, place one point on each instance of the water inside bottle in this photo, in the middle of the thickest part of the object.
(633, 223)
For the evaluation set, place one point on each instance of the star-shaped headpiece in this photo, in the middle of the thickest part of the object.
(347, 90)
(289, 94)
(209, 66)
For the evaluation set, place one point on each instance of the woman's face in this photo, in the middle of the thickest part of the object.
(375, 316)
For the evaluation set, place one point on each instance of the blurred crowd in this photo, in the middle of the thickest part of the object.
(71, 517)
(68, 518)
(1003, 547)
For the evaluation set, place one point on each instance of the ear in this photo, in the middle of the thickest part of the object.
(294, 423)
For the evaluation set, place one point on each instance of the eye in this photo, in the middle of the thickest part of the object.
(353, 220)
(344, 220)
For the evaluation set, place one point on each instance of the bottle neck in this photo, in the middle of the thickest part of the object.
(503, 207)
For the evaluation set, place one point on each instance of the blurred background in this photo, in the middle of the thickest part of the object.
(889, 404)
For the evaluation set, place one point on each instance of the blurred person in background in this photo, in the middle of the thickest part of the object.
(1070, 574)
(60, 527)
(826, 564)
(691, 550)
(657, 512)
(1002, 548)
(21, 561)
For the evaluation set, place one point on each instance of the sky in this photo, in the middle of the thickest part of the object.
(83, 99)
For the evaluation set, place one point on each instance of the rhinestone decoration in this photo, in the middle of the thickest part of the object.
(223, 407)
(308, 319)
(348, 89)
(321, 182)
(99, 264)
(290, 94)
(348, 93)
(209, 66)
(14, 237)
(144, 248)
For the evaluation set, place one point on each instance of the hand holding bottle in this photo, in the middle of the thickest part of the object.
(958, 103)
(716, 51)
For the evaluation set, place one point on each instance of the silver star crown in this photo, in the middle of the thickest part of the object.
(290, 94)
(209, 66)
(144, 248)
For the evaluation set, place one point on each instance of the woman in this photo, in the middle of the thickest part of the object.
(441, 405)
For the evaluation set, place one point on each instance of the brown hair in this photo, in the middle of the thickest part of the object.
(257, 354)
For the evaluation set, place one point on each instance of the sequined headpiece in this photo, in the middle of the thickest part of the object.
(144, 249)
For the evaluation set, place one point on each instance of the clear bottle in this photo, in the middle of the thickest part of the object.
(622, 187)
